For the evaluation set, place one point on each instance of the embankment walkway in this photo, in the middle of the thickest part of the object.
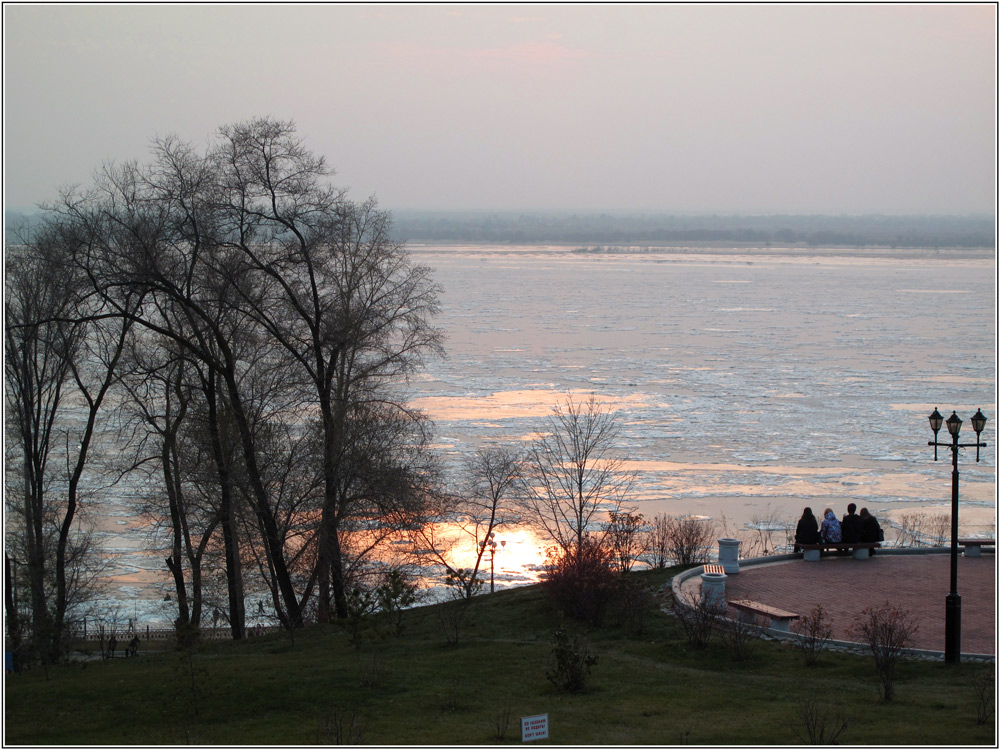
(845, 586)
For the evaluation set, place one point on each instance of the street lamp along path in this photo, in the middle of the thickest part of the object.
(953, 602)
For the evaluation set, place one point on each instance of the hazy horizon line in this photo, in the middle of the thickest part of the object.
(28, 211)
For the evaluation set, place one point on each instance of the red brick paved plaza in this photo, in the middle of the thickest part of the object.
(845, 586)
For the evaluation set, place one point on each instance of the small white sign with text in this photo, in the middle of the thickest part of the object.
(534, 727)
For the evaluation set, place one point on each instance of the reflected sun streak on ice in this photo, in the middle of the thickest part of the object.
(517, 404)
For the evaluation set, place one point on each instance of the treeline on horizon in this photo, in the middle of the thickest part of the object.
(812, 230)
(973, 231)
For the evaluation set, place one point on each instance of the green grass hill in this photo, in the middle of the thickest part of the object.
(329, 685)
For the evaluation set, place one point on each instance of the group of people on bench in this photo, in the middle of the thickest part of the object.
(853, 527)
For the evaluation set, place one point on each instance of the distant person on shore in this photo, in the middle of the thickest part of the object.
(851, 525)
(112, 645)
(870, 529)
(133, 646)
(830, 530)
(807, 531)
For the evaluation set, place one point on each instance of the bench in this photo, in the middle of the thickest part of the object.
(779, 618)
(974, 547)
(714, 569)
(811, 552)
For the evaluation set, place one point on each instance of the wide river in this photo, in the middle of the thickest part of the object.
(748, 382)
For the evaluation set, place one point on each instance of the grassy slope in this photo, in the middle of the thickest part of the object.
(651, 689)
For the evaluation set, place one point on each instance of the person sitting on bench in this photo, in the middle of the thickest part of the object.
(851, 525)
(807, 531)
(830, 532)
(870, 529)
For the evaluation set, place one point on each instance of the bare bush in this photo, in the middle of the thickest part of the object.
(761, 532)
(500, 723)
(340, 727)
(683, 540)
(814, 633)
(984, 684)
(910, 530)
(633, 602)
(822, 727)
(938, 527)
(887, 630)
(626, 538)
(372, 669)
(741, 634)
(582, 583)
(697, 618)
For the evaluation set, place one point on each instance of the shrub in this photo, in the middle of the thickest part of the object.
(814, 633)
(340, 727)
(984, 683)
(887, 630)
(626, 538)
(361, 603)
(697, 617)
(500, 723)
(633, 602)
(372, 669)
(394, 595)
(582, 582)
(573, 662)
(822, 727)
(684, 540)
(741, 634)
(462, 585)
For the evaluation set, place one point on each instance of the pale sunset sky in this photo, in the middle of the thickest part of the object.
(743, 108)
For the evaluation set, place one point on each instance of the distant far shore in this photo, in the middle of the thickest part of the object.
(676, 233)
(713, 248)
(585, 229)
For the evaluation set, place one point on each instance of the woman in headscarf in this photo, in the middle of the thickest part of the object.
(831, 527)
(807, 531)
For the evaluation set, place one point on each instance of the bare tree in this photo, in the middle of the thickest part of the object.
(41, 337)
(486, 505)
(62, 349)
(345, 302)
(574, 477)
(190, 285)
(162, 404)
(297, 317)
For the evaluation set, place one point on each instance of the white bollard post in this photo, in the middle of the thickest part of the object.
(729, 555)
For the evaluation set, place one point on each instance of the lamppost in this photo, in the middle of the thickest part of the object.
(491, 542)
(953, 602)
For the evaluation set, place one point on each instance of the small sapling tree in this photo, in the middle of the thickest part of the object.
(814, 633)
(887, 630)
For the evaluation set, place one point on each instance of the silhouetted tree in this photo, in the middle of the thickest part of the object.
(574, 477)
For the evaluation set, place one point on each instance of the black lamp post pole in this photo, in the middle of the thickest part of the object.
(953, 602)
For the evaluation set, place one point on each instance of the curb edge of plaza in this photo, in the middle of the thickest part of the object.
(850, 646)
